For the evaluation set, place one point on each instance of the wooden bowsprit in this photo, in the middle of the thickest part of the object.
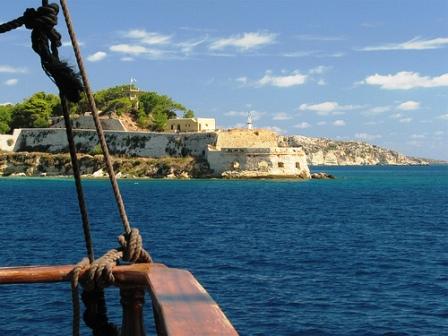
(182, 307)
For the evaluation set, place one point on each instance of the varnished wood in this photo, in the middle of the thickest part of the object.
(182, 306)
(132, 300)
(128, 274)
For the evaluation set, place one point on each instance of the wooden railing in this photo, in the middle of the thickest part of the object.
(181, 305)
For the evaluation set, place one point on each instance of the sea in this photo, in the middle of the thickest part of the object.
(364, 254)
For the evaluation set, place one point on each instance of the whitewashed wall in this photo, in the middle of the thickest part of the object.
(143, 144)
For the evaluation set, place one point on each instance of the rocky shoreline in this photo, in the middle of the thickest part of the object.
(57, 165)
(328, 152)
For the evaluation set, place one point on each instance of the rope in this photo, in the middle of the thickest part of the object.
(84, 263)
(99, 128)
(77, 176)
(11, 25)
(45, 42)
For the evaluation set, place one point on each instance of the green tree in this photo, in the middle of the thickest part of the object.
(5, 118)
(159, 108)
(159, 119)
(189, 114)
(35, 111)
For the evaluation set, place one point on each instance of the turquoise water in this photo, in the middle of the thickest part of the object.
(365, 254)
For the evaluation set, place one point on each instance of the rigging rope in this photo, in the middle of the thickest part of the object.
(99, 128)
(45, 42)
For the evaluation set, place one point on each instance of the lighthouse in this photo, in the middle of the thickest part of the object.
(250, 120)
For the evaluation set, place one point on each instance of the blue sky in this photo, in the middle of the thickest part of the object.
(374, 71)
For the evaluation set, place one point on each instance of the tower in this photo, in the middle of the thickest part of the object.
(133, 92)
(250, 119)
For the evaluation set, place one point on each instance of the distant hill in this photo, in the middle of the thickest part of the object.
(323, 151)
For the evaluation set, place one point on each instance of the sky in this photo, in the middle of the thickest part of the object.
(373, 71)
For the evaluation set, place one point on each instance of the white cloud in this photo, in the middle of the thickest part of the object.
(284, 80)
(415, 44)
(339, 123)
(275, 129)
(256, 115)
(149, 38)
(418, 136)
(187, 46)
(321, 123)
(245, 41)
(405, 120)
(327, 108)
(242, 80)
(319, 38)
(443, 116)
(293, 79)
(321, 82)
(69, 43)
(138, 50)
(298, 54)
(131, 49)
(126, 59)
(11, 82)
(406, 80)
(397, 116)
(10, 69)
(409, 105)
(96, 57)
(374, 123)
(302, 125)
(367, 136)
(319, 70)
(373, 111)
(281, 116)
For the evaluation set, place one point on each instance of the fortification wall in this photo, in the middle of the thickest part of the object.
(243, 138)
(142, 144)
(86, 122)
(8, 141)
(259, 161)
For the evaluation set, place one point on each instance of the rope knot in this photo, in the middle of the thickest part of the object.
(45, 41)
(132, 247)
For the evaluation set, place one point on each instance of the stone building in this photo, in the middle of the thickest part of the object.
(244, 153)
(190, 125)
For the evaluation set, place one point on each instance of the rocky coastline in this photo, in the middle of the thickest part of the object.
(57, 165)
(328, 152)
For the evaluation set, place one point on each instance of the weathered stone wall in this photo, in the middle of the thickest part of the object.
(8, 141)
(243, 138)
(142, 144)
(86, 122)
(268, 162)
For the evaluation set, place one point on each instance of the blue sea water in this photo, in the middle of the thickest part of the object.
(365, 254)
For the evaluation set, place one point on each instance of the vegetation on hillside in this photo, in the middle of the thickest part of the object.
(5, 118)
(152, 111)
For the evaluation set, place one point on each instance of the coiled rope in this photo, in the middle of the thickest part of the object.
(45, 42)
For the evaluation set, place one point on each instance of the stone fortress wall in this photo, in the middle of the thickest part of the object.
(86, 122)
(234, 153)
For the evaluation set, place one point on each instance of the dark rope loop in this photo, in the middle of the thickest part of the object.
(45, 41)
(95, 315)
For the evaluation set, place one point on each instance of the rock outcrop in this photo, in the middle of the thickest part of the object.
(323, 151)
(44, 164)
